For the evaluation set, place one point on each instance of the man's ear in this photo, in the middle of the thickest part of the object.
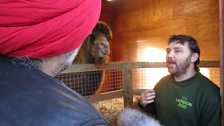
(194, 57)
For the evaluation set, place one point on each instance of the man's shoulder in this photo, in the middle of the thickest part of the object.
(206, 81)
(207, 88)
(42, 99)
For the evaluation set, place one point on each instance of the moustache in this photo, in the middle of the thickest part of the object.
(169, 60)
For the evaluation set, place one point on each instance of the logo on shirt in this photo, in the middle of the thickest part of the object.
(183, 102)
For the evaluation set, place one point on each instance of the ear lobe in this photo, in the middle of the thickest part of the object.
(194, 57)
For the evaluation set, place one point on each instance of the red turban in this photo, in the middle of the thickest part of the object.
(45, 28)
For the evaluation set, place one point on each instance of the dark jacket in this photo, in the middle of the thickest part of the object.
(29, 97)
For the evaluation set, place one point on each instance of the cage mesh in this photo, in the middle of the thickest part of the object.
(108, 80)
(93, 82)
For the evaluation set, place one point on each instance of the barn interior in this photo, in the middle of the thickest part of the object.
(137, 59)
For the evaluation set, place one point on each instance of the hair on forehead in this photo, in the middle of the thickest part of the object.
(182, 39)
(192, 44)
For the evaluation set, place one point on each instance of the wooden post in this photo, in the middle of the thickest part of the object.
(221, 14)
(127, 85)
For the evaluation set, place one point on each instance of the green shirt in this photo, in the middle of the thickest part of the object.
(192, 102)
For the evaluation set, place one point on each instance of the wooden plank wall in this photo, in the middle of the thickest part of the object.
(222, 56)
(138, 24)
(148, 23)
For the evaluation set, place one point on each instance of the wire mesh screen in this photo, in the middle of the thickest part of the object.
(93, 82)
(113, 80)
(146, 78)
(90, 83)
(85, 83)
(214, 75)
(116, 85)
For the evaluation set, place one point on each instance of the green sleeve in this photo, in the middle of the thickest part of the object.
(149, 108)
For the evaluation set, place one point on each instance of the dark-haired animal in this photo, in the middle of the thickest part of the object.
(95, 50)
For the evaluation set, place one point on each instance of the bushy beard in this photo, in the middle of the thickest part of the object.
(182, 67)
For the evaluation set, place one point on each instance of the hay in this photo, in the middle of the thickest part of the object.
(112, 107)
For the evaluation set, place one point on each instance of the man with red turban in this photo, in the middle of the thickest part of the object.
(39, 39)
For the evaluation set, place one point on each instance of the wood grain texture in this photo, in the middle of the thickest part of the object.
(153, 21)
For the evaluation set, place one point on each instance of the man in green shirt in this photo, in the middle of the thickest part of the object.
(185, 97)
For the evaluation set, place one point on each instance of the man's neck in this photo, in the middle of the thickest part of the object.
(188, 74)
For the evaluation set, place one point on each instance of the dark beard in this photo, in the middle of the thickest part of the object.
(182, 68)
(64, 68)
(61, 69)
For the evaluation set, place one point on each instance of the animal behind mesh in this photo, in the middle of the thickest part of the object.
(85, 83)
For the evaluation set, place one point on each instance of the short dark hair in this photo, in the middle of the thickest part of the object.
(192, 43)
